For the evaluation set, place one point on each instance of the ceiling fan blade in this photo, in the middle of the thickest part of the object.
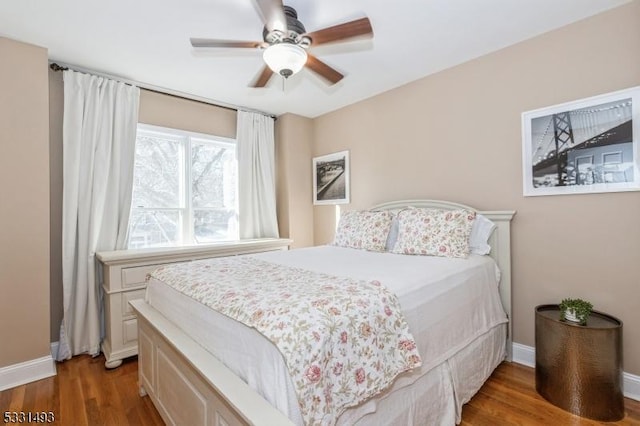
(323, 70)
(208, 42)
(263, 78)
(359, 27)
(272, 13)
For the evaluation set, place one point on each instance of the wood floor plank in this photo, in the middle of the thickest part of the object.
(85, 393)
(17, 399)
(29, 401)
(113, 410)
(94, 416)
(44, 401)
(5, 400)
(89, 382)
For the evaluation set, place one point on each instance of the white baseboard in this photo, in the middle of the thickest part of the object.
(26, 372)
(526, 355)
(631, 384)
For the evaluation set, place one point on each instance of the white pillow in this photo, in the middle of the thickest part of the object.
(395, 228)
(480, 232)
(393, 232)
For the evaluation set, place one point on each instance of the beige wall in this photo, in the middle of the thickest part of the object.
(293, 136)
(24, 191)
(456, 136)
(179, 113)
(155, 108)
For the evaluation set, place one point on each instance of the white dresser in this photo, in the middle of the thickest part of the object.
(123, 279)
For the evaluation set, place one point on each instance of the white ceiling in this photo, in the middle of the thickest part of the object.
(148, 41)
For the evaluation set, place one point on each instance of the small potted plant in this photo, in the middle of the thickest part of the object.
(575, 310)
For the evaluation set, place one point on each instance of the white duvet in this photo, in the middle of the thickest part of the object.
(448, 303)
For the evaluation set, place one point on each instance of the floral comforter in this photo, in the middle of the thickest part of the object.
(343, 340)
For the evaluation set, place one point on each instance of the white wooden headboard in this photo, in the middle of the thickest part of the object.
(500, 242)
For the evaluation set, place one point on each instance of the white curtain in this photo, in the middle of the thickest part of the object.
(256, 176)
(99, 131)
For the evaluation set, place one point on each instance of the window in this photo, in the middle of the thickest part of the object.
(184, 189)
(612, 167)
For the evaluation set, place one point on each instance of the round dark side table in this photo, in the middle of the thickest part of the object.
(579, 368)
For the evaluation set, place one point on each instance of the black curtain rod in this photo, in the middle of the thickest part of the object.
(55, 67)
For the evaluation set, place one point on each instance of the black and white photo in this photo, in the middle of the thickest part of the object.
(585, 146)
(331, 178)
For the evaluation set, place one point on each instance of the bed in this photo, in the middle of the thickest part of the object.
(460, 321)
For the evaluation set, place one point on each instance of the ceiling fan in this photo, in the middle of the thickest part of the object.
(286, 41)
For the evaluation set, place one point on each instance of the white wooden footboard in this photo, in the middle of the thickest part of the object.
(188, 385)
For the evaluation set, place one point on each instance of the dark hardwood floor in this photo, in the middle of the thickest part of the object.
(85, 393)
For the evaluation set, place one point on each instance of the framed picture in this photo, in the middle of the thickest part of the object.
(331, 178)
(585, 146)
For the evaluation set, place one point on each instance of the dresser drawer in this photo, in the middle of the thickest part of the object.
(137, 275)
(127, 297)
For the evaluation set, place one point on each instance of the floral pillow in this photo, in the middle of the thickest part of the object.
(434, 232)
(365, 230)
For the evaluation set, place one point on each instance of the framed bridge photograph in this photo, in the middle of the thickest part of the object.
(584, 146)
(331, 178)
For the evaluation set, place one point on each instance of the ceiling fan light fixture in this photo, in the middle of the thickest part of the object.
(285, 59)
